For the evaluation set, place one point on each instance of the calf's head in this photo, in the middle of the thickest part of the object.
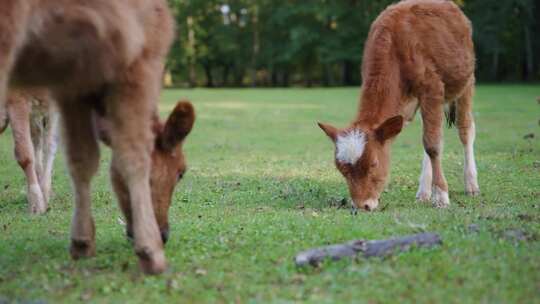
(363, 158)
(167, 169)
(168, 161)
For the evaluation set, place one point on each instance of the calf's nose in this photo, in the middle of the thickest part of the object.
(369, 205)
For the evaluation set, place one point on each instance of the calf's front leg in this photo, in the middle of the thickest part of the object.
(122, 194)
(425, 181)
(130, 110)
(82, 154)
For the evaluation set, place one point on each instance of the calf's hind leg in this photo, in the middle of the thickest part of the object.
(82, 154)
(467, 133)
(19, 114)
(51, 144)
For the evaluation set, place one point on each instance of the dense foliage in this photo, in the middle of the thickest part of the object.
(320, 42)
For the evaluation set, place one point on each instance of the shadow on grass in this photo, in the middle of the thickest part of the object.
(278, 192)
(15, 206)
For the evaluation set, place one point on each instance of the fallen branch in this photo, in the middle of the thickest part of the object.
(376, 248)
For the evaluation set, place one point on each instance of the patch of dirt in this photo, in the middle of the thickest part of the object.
(514, 235)
(529, 136)
(517, 235)
(86, 295)
(528, 218)
(473, 228)
(338, 202)
(491, 218)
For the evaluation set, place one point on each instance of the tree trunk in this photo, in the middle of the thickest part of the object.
(275, 77)
(495, 65)
(285, 78)
(528, 54)
(238, 76)
(256, 45)
(208, 72)
(191, 53)
(226, 72)
(347, 73)
(309, 77)
(327, 75)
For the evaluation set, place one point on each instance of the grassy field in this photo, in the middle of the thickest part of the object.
(262, 186)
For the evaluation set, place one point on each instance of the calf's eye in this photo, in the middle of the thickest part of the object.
(179, 176)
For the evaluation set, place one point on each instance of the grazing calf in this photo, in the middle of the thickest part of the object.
(89, 52)
(419, 54)
(34, 124)
(168, 163)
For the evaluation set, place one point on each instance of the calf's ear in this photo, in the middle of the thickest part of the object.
(331, 132)
(389, 129)
(178, 125)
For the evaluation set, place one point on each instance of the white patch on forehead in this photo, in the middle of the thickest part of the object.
(350, 147)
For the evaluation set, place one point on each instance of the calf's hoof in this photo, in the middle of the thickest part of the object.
(472, 190)
(82, 249)
(38, 209)
(472, 193)
(152, 263)
(36, 203)
(423, 196)
(439, 198)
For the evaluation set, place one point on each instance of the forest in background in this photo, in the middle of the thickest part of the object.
(280, 43)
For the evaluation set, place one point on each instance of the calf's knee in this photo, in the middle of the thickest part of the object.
(24, 160)
(432, 151)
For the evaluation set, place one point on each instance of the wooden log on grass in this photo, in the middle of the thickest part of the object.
(367, 249)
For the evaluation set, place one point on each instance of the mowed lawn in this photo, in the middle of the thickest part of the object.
(262, 186)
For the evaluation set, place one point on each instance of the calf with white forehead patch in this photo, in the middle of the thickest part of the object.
(363, 157)
(419, 55)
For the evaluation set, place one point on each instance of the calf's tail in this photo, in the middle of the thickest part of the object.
(450, 114)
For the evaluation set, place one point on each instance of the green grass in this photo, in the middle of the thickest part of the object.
(262, 186)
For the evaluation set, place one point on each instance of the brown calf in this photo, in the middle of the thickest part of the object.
(419, 54)
(168, 163)
(34, 124)
(88, 52)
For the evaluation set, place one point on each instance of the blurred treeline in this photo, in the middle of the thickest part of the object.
(320, 42)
